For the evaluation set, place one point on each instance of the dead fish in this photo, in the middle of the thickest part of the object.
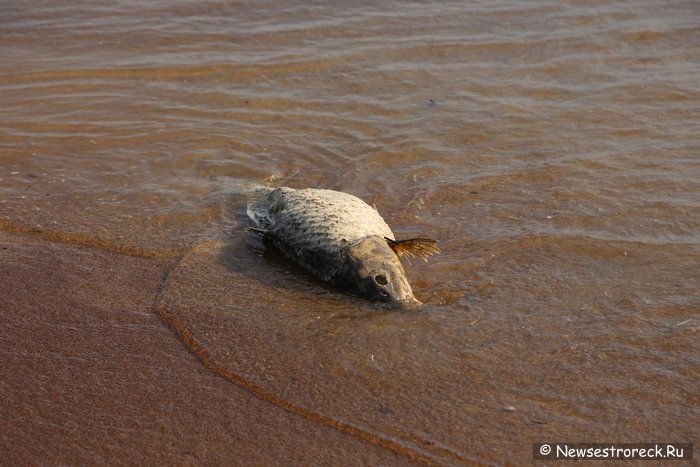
(340, 239)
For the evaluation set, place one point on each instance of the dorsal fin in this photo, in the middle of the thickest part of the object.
(414, 247)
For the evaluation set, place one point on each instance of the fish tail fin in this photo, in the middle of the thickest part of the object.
(414, 247)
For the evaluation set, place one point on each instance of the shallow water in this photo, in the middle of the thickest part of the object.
(552, 149)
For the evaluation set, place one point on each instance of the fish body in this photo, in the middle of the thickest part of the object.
(339, 238)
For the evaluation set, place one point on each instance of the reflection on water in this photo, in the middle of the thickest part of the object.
(551, 148)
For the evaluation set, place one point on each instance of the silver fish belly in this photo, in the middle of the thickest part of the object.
(339, 238)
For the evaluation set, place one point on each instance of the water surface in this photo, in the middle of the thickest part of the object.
(551, 147)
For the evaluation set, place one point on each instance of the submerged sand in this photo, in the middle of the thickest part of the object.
(91, 374)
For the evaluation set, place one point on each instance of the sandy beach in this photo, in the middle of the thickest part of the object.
(90, 371)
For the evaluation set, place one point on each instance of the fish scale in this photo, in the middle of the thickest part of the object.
(316, 219)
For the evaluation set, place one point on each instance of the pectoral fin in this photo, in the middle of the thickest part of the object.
(255, 229)
(414, 247)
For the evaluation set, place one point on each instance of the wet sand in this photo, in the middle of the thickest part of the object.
(105, 359)
(91, 374)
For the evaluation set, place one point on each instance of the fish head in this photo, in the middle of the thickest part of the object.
(374, 271)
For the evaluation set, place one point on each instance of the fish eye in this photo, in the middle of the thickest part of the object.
(380, 279)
